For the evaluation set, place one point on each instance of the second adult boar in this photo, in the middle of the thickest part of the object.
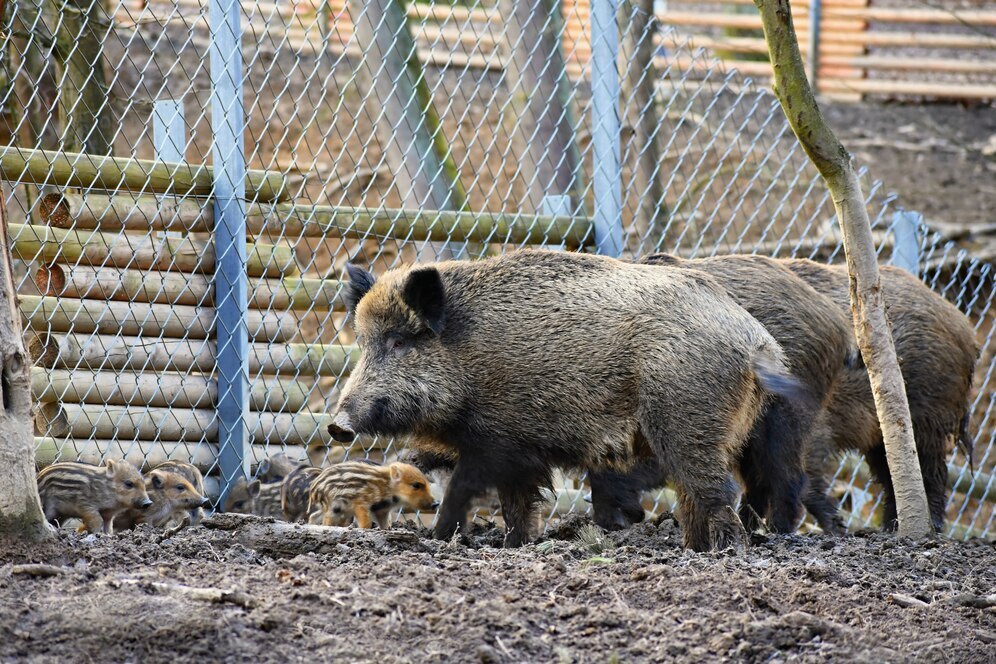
(534, 360)
(937, 351)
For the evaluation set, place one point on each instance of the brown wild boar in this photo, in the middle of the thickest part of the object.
(93, 494)
(367, 492)
(937, 352)
(173, 498)
(534, 360)
(818, 343)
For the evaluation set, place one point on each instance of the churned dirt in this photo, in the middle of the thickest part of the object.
(233, 595)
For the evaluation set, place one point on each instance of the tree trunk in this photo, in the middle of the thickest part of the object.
(20, 508)
(870, 324)
(399, 99)
(644, 191)
(538, 118)
(80, 27)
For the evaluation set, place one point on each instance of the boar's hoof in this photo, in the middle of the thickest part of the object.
(612, 521)
(727, 532)
(515, 538)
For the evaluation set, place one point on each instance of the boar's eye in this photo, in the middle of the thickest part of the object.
(398, 345)
(129, 484)
(418, 486)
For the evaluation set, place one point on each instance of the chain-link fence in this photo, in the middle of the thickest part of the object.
(158, 274)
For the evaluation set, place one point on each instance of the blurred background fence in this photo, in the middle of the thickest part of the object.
(185, 182)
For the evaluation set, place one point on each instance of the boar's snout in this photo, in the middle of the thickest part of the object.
(145, 503)
(342, 428)
(205, 502)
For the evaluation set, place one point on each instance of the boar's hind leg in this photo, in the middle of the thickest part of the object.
(818, 502)
(930, 441)
(880, 471)
(516, 510)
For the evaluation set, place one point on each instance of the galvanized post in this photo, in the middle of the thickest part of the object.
(607, 176)
(906, 240)
(815, 13)
(230, 278)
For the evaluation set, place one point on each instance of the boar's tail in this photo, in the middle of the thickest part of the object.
(967, 442)
(775, 378)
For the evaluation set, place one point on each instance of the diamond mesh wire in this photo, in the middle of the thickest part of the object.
(402, 132)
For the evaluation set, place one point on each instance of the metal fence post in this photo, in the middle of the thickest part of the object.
(605, 127)
(906, 238)
(230, 277)
(815, 16)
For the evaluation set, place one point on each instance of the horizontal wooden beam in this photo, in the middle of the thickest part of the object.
(144, 454)
(895, 63)
(71, 169)
(162, 390)
(912, 88)
(147, 252)
(111, 283)
(53, 314)
(114, 213)
(182, 425)
(101, 352)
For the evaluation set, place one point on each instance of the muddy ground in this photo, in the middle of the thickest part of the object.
(401, 597)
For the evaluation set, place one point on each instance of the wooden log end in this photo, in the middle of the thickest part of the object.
(55, 211)
(51, 280)
(50, 420)
(43, 349)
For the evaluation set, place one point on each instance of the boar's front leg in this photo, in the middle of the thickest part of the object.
(466, 482)
(707, 515)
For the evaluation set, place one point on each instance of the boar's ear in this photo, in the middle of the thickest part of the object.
(157, 481)
(395, 472)
(253, 488)
(360, 281)
(425, 294)
(109, 464)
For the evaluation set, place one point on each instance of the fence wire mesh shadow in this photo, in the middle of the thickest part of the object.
(383, 132)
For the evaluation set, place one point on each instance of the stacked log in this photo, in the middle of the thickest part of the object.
(123, 334)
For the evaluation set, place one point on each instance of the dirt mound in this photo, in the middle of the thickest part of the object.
(252, 590)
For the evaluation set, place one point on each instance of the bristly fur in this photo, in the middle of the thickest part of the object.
(543, 360)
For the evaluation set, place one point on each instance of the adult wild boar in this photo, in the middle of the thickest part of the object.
(533, 360)
(937, 351)
(818, 343)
